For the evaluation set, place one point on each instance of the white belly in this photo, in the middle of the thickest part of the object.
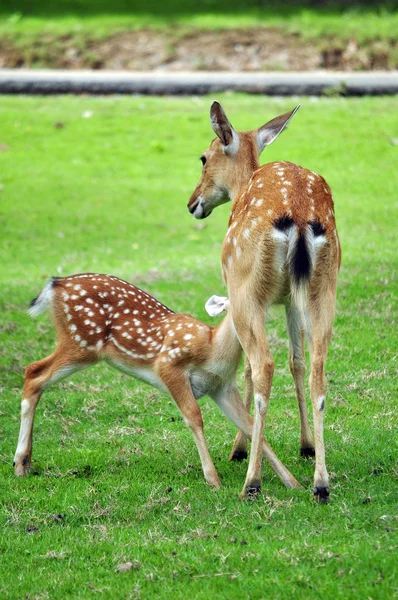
(141, 373)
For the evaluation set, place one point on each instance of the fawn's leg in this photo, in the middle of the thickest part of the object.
(180, 389)
(38, 376)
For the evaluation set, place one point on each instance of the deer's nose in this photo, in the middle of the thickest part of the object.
(192, 207)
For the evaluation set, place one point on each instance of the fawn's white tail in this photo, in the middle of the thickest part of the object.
(43, 300)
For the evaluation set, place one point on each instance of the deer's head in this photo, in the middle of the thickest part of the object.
(230, 160)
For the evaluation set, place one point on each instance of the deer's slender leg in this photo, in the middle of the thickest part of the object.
(239, 448)
(178, 385)
(297, 367)
(250, 330)
(38, 376)
(321, 308)
(229, 401)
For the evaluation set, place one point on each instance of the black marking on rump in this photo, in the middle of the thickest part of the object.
(283, 223)
(300, 263)
(317, 228)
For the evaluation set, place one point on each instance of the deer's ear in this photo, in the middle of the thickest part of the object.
(216, 304)
(270, 131)
(223, 128)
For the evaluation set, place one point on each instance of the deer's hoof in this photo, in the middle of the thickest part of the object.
(22, 467)
(321, 494)
(251, 491)
(238, 455)
(307, 452)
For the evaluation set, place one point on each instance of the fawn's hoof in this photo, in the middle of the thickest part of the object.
(22, 467)
(321, 494)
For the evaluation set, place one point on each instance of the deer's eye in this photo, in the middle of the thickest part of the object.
(203, 159)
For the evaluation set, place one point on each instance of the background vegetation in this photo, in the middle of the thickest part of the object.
(311, 18)
(102, 185)
(48, 33)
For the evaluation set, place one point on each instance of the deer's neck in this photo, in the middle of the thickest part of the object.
(226, 346)
(243, 174)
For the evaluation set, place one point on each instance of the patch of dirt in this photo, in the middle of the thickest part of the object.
(254, 49)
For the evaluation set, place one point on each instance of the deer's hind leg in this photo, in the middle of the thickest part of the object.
(297, 367)
(38, 376)
(321, 309)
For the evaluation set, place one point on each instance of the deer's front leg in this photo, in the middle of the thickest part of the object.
(255, 345)
(180, 389)
(239, 448)
(229, 401)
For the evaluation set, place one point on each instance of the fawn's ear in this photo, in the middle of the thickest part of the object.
(216, 304)
(223, 128)
(270, 131)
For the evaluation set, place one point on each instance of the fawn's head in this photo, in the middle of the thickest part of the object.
(230, 160)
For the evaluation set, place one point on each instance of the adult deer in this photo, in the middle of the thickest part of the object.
(281, 247)
(100, 317)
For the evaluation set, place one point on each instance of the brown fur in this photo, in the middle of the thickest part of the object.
(258, 274)
(100, 317)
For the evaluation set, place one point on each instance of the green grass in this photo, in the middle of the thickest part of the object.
(116, 474)
(23, 19)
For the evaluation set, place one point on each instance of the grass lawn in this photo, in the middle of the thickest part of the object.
(102, 185)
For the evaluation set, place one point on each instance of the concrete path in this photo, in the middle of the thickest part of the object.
(26, 81)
